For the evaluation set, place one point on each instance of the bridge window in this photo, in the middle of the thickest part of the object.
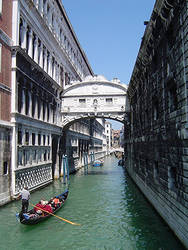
(95, 102)
(82, 100)
(108, 100)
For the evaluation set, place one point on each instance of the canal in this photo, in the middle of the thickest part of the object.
(111, 210)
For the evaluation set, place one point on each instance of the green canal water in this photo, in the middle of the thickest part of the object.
(111, 210)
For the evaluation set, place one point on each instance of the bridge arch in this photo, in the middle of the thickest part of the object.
(94, 97)
(74, 119)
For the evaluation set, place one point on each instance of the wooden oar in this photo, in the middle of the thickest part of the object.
(73, 223)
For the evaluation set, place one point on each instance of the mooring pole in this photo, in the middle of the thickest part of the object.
(91, 157)
(67, 165)
(64, 166)
(87, 159)
(84, 158)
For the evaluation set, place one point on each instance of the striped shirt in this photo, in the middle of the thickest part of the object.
(25, 194)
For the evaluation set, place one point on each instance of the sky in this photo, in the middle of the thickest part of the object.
(110, 33)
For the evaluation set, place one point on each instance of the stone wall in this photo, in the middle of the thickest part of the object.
(157, 145)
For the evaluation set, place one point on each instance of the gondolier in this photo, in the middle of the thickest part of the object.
(25, 196)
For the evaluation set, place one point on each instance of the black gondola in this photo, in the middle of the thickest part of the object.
(32, 217)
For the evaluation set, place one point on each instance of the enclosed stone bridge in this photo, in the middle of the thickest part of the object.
(94, 97)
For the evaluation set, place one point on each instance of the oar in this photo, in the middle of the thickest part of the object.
(73, 223)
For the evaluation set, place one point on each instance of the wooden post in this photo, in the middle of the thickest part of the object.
(87, 159)
(67, 166)
(64, 166)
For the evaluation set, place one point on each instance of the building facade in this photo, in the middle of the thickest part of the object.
(122, 137)
(85, 142)
(5, 99)
(115, 138)
(46, 57)
(157, 136)
(108, 132)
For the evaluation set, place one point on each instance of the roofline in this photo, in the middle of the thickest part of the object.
(73, 34)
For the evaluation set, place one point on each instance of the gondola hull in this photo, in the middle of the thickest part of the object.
(31, 218)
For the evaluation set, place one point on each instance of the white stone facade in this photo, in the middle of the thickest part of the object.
(84, 139)
(46, 56)
(94, 97)
(48, 66)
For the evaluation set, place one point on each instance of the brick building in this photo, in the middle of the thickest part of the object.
(5, 99)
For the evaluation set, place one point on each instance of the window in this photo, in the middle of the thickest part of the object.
(95, 102)
(48, 112)
(26, 102)
(44, 140)
(61, 76)
(5, 168)
(172, 178)
(155, 109)
(173, 103)
(156, 172)
(33, 105)
(44, 111)
(34, 155)
(172, 95)
(39, 139)
(19, 137)
(27, 138)
(82, 101)
(45, 155)
(108, 100)
(33, 138)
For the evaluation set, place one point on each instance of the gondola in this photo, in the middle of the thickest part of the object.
(98, 163)
(32, 217)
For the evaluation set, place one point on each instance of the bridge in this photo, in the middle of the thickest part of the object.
(94, 97)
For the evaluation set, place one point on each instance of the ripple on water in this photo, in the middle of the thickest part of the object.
(111, 210)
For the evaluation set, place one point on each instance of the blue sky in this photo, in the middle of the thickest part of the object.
(110, 33)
